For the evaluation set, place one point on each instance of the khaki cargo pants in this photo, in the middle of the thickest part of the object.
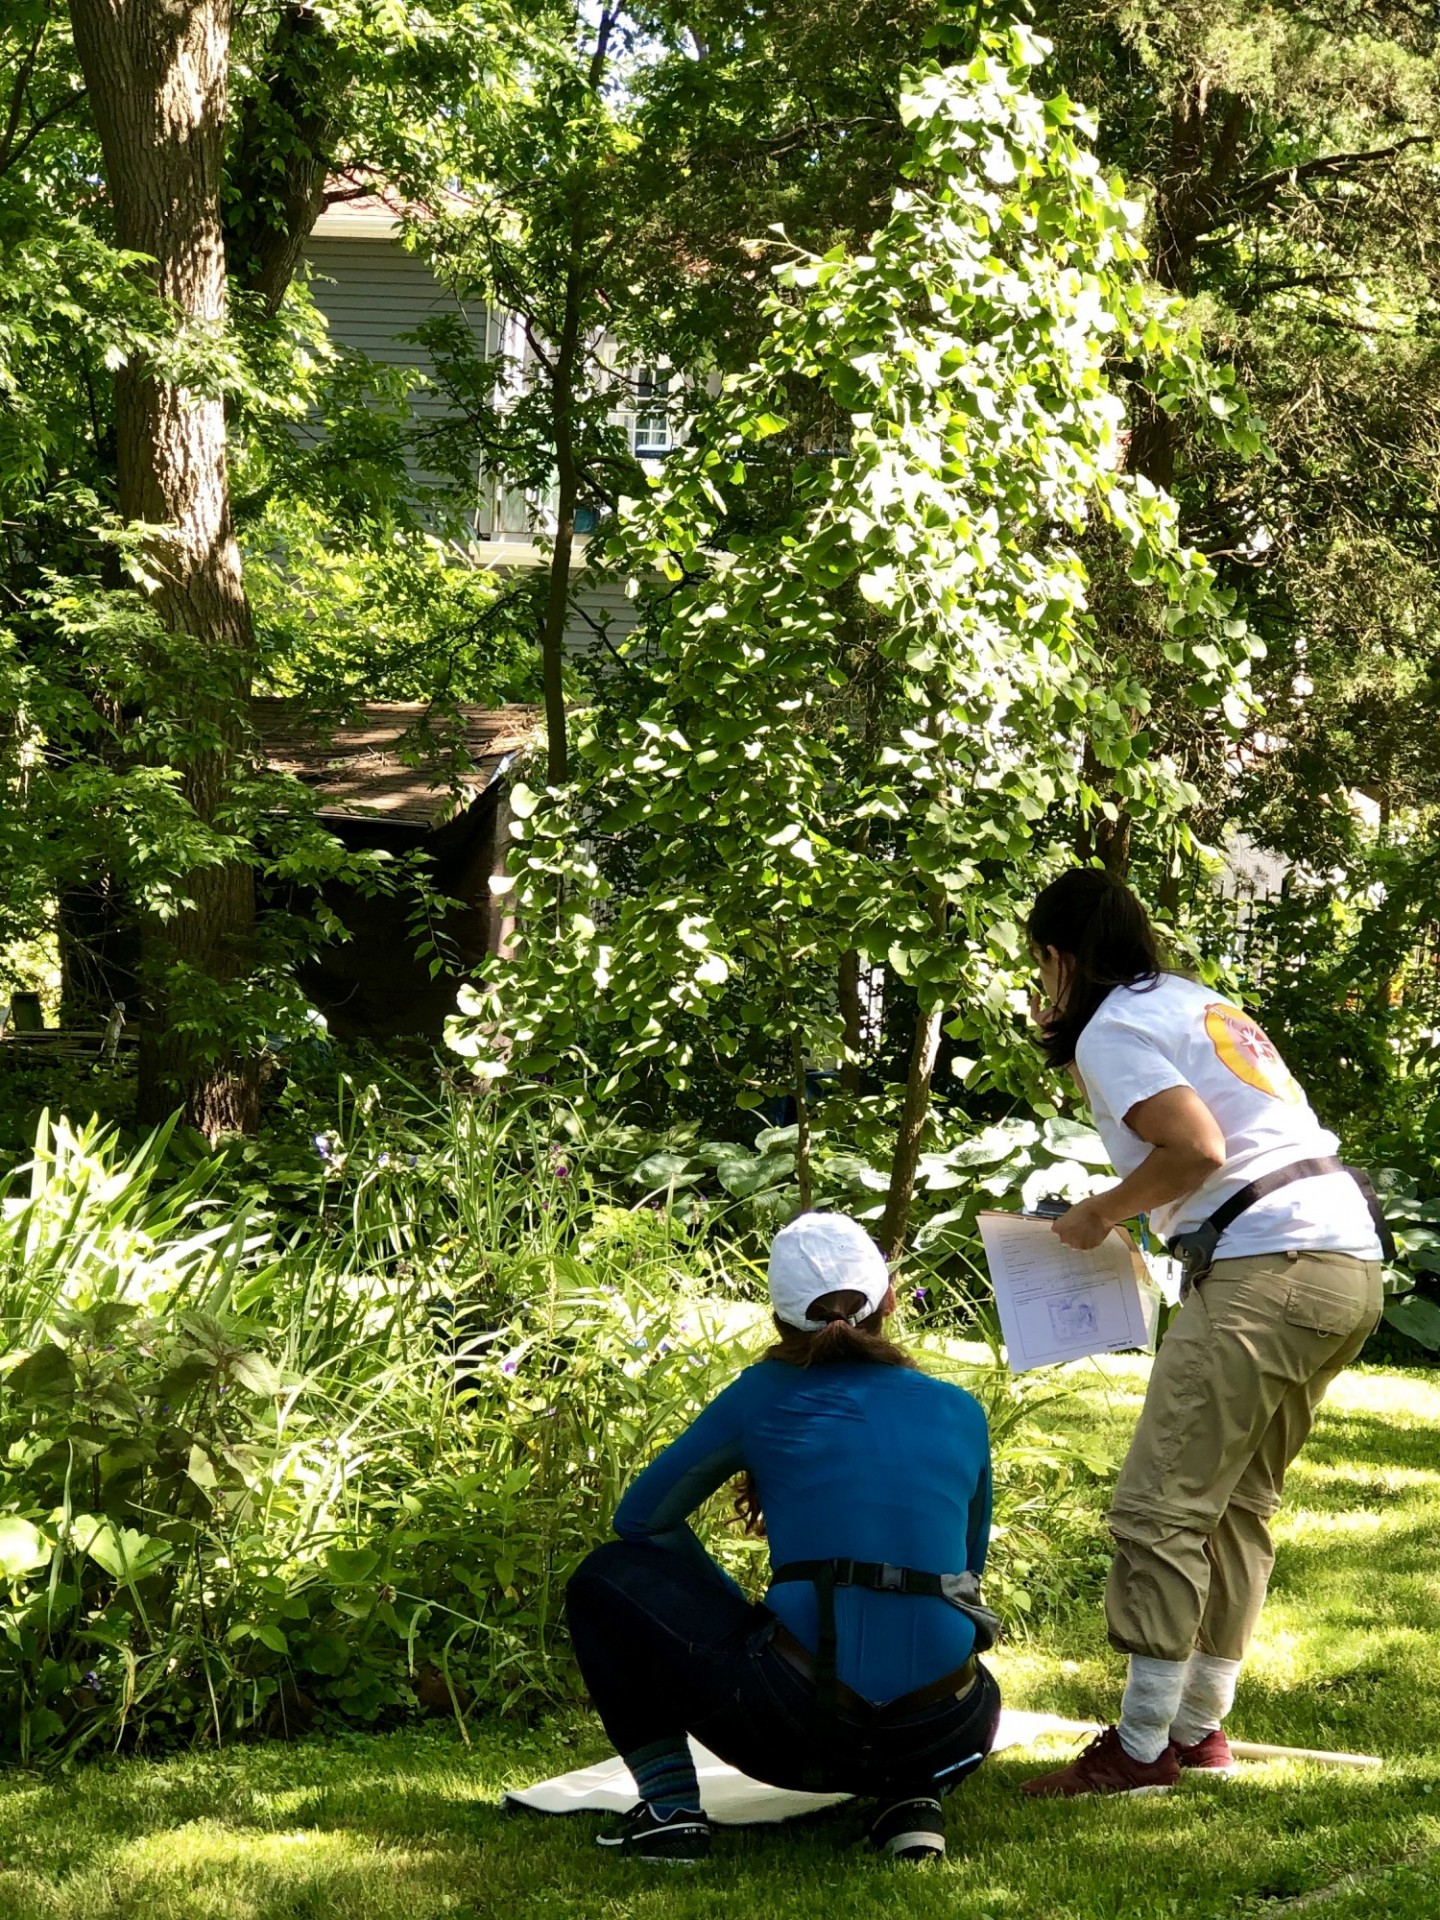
(1231, 1400)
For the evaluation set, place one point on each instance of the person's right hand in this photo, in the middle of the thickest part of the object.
(1042, 1012)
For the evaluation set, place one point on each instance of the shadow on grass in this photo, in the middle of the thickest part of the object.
(1344, 1435)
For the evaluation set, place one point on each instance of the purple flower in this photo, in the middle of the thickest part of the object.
(325, 1145)
(562, 1172)
(412, 1159)
(510, 1366)
(92, 1680)
(920, 1295)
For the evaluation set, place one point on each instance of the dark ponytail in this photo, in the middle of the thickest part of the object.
(839, 1343)
(1097, 922)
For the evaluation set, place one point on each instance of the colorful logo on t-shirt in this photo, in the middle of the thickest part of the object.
(1247, 1050)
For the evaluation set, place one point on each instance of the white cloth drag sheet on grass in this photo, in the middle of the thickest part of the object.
(731, 1798)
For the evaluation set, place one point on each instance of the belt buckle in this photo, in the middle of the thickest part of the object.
(892, 1579)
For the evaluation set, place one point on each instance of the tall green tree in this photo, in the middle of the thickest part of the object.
(158, 78)
(613, 196)
(543, 235)
(848, 724)
(157, 354)
(1288, 160)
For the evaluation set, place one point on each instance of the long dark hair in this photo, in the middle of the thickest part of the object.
(1099, 924)
(836, 1344)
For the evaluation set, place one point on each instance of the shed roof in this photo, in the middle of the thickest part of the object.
(398, 760)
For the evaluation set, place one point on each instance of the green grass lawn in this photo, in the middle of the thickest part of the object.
(408, 1827)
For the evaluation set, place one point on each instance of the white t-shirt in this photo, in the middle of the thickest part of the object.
(1181, 1034)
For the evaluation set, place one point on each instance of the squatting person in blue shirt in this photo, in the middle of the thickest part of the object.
(858, 1673)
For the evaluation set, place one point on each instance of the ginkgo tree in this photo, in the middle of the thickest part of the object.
(851, 734)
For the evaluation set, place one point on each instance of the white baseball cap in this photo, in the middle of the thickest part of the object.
(824, 1253)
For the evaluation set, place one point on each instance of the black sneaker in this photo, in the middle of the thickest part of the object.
(909, 1829)
(676, 1839)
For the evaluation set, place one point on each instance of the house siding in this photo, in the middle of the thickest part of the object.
(372, 293)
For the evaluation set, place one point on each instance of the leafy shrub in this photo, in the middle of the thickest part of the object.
(1348, 983)
(964, 1170)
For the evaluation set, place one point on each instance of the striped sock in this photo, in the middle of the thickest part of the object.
(665, 1775)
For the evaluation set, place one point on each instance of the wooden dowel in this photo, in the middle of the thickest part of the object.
(1251, 1749)
(1261, 1750)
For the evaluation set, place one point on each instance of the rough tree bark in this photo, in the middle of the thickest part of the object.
(157, 74)
(1109, 839)
(288, 130)
(1192, 196)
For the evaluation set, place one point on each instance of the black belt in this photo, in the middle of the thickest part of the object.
(950, 1685)
(1196, 1248)
(960, 1590)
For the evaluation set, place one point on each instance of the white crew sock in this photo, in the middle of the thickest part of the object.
(1209, 1695)
(1152, 1699)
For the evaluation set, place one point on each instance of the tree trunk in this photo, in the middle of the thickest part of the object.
(852, 1014)
(802, 1121)
(1108, 839)
(157, 72)
(1112, 843)
(913, 1114)
(277, 177)
(848, 994)
(567, 487)
(1189, 201)
(287, 136)
(898, 1200)
(1199, 171)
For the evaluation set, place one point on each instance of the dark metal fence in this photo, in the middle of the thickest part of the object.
(1249, 933)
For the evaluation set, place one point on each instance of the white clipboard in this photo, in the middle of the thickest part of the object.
(1057, 1304)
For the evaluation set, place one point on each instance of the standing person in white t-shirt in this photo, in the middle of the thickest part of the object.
(1197, 1109)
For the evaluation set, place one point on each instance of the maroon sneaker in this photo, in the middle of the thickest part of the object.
(1105, 1767)
(1210, 1755)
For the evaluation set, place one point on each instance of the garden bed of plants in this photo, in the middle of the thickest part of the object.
(263, 1470)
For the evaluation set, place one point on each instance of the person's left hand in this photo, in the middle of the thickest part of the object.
(1083, 1226)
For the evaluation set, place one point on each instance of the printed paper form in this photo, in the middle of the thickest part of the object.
(1056, 1304)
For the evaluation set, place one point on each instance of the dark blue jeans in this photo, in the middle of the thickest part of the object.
(667, 1649)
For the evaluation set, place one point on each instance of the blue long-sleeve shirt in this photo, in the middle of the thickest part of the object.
(863, 1462)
